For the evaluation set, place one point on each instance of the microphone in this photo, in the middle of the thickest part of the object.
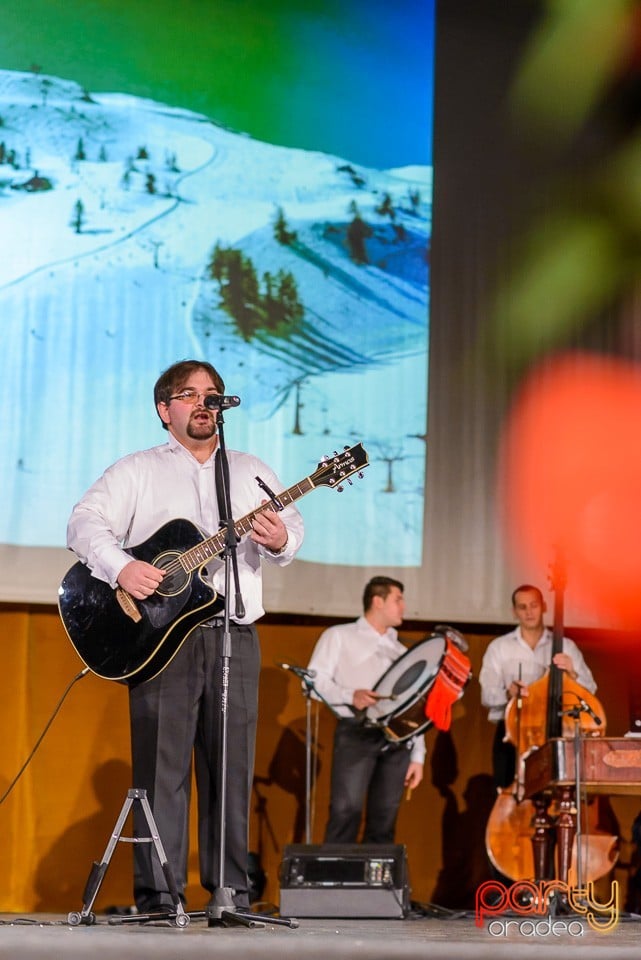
(214, 401)
(588, 709)
(299, 671)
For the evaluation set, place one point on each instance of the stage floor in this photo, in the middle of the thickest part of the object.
(50, 936)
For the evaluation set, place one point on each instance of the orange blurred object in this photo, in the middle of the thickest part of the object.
(571, 480)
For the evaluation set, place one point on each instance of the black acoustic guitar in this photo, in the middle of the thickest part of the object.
(120, 638)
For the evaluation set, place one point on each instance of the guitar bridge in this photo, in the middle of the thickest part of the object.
(128, 605)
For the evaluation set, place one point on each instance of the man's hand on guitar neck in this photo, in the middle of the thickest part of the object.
(269, 530)
(140, 579)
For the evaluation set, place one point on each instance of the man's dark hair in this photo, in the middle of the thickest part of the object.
(174, 378)
(379, 587)
(527, 586)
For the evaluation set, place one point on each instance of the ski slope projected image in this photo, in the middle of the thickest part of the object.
(133, 234)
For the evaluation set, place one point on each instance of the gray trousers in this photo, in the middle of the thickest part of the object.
(175, 721)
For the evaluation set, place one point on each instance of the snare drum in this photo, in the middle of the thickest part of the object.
(404, 687)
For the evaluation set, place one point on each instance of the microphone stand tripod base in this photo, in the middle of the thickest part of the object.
(222, 910)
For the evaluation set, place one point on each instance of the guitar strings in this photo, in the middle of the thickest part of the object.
(287, 496)
(177, 565)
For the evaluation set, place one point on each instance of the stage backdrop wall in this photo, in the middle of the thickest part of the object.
(59, 817)
(248, 184)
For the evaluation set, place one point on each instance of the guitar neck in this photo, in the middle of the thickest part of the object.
(331, 472)
(213, 546)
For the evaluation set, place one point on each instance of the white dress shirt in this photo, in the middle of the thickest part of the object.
(509, 658)
(354, 656)
(143, 491)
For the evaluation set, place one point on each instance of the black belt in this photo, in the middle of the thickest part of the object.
(214, 622)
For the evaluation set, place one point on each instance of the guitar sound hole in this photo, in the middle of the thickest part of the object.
(176, 579)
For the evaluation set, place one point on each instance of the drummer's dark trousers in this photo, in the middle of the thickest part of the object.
(367, 772)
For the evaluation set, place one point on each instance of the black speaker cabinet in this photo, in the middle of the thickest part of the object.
(344, 880)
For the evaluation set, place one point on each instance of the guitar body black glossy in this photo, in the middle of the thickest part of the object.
(117, 647)
(109, 642)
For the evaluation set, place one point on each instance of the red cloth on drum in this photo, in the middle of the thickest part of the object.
(448, 686)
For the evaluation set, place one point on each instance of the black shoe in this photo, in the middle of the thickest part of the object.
(241, 900)
(155, 909)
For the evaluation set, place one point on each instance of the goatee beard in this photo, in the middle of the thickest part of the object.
(201, 431)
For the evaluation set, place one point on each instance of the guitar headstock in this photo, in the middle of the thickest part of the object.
(333, 471)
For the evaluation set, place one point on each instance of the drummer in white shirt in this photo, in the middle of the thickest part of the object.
(515, 660)
(367, 770)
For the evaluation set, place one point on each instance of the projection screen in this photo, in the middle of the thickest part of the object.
(246, 183)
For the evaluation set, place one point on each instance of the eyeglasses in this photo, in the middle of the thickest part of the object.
(192, 396)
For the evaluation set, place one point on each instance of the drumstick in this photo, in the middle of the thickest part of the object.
(384, 696)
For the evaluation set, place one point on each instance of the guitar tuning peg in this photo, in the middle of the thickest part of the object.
(360, 474)
(335, 453)
(349, 480)
(340, 488)
(324, 458)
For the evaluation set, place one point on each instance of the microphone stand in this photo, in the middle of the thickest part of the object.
(306, 679)
(308, 686)
(575, 714)
(224, 910)
(578, 778)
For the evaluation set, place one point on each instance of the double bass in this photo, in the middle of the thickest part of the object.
(530, 721)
